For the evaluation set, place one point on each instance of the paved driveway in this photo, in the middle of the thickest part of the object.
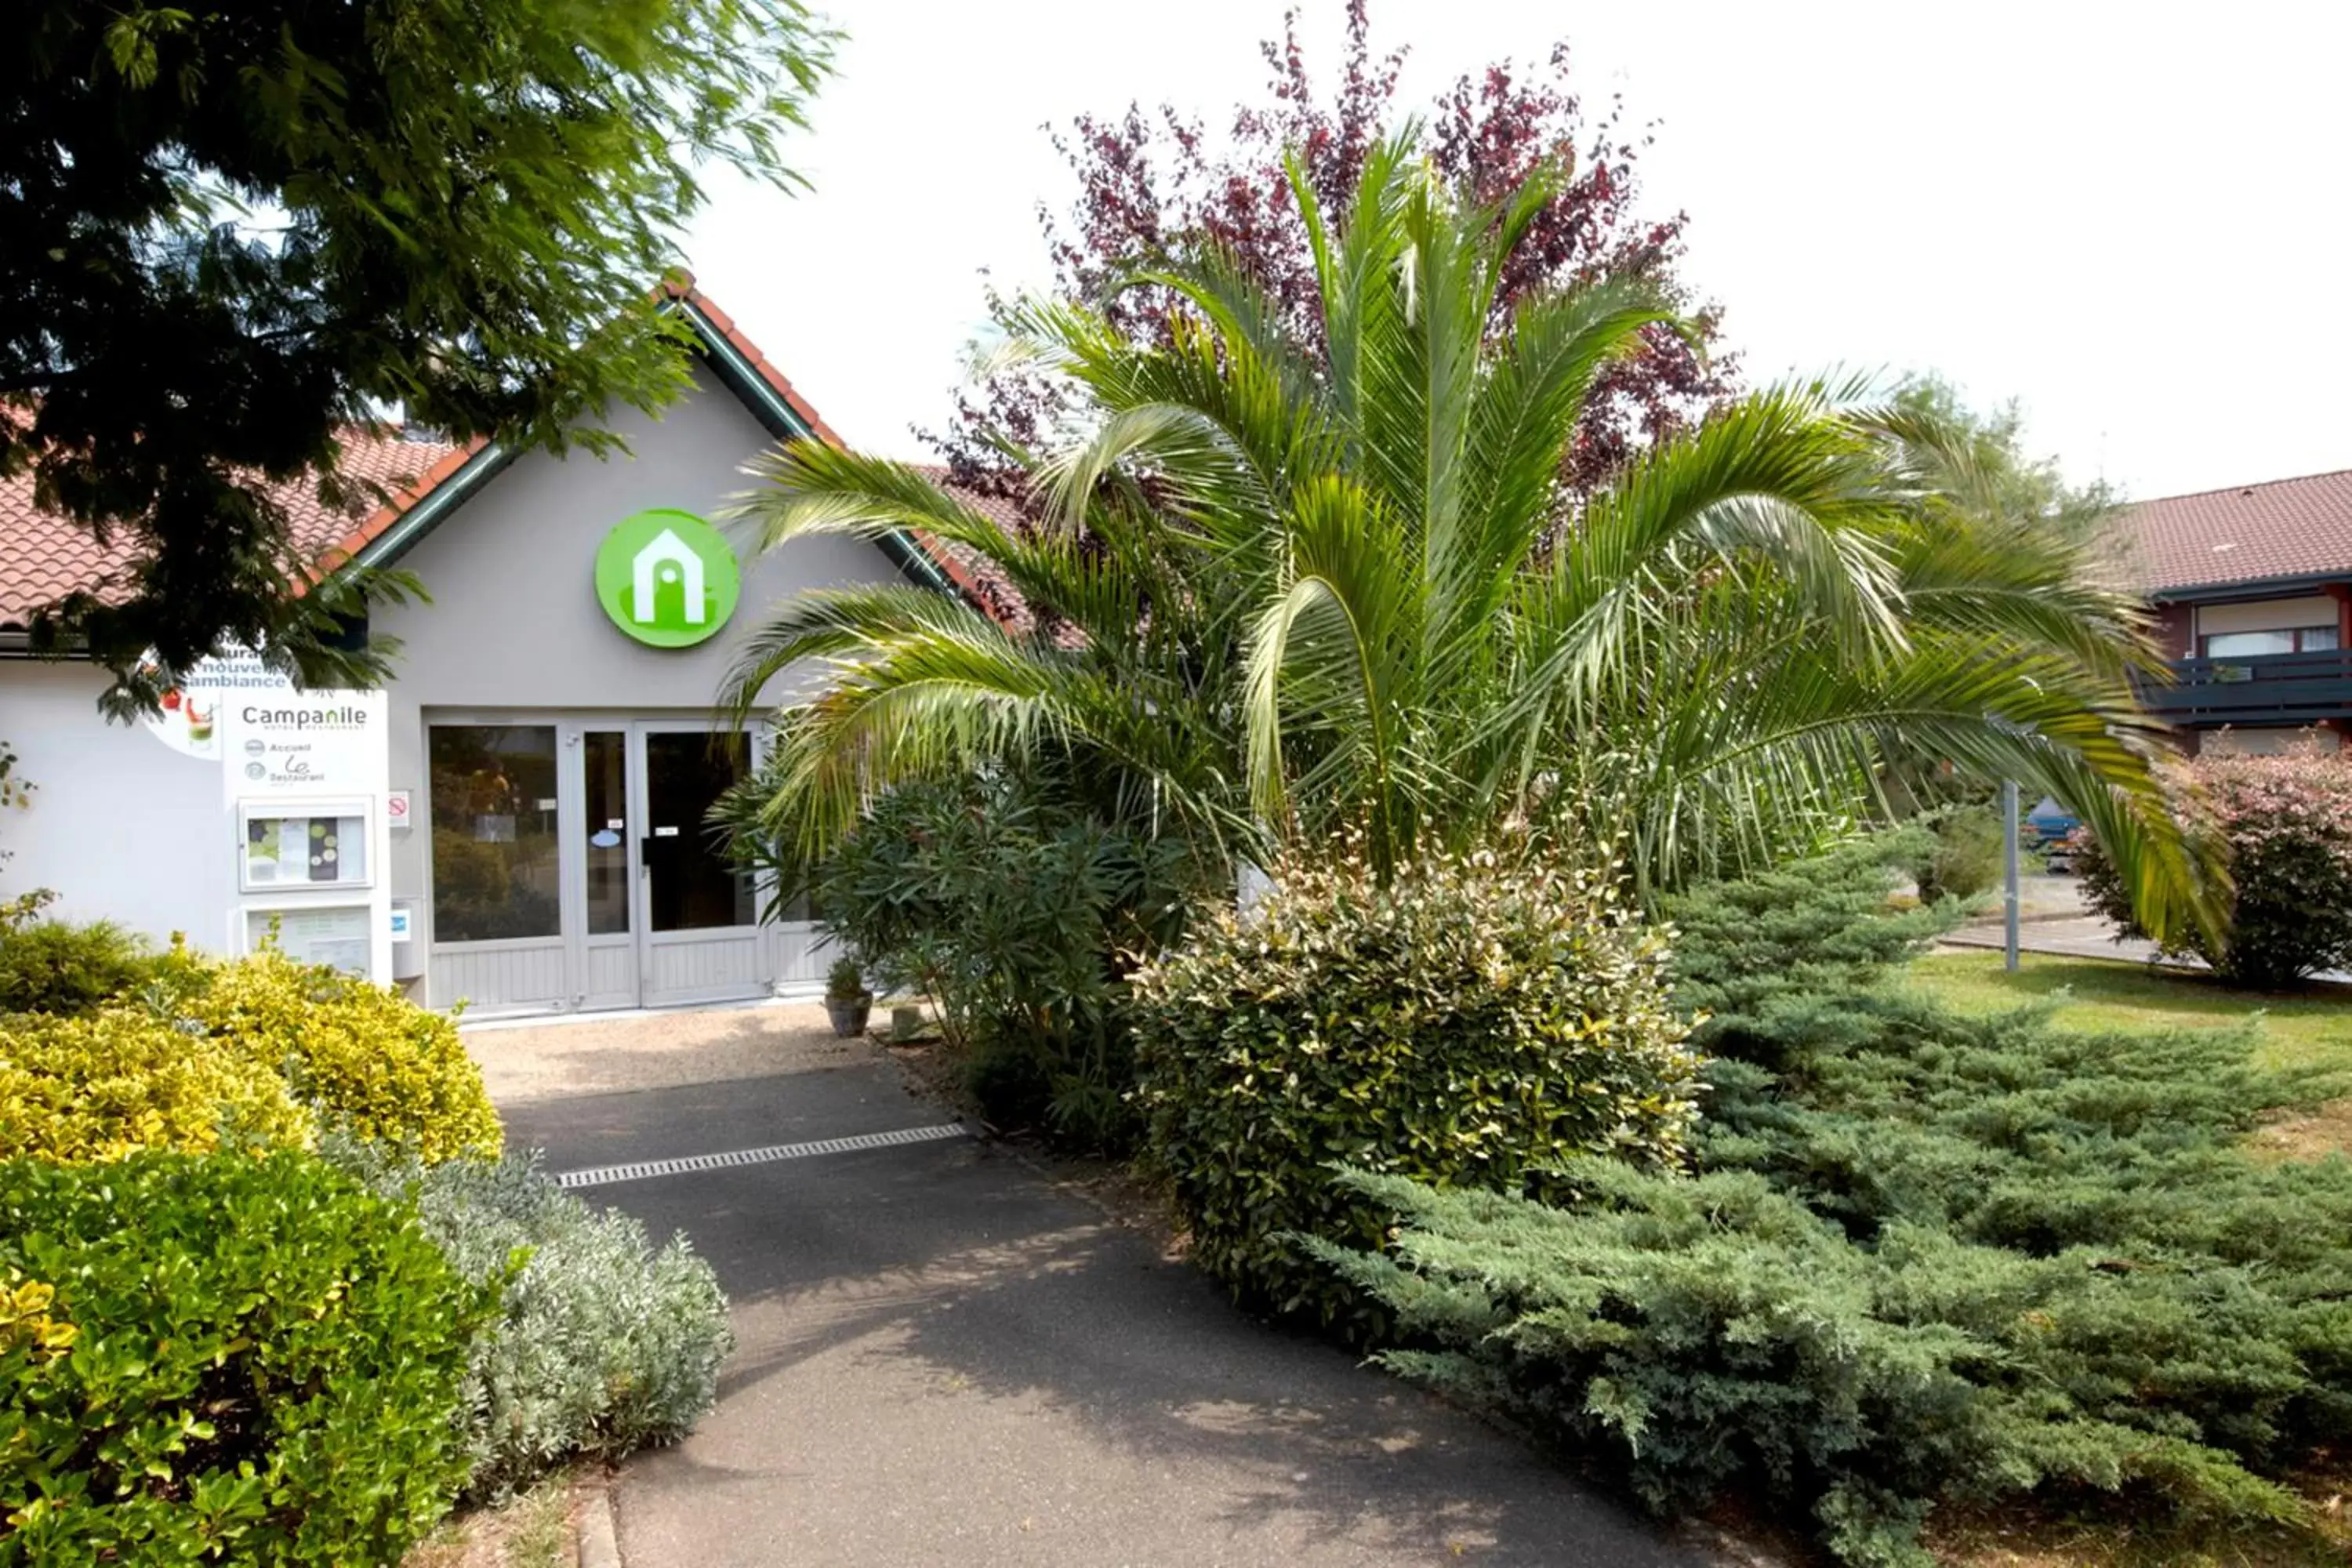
(945, 1357)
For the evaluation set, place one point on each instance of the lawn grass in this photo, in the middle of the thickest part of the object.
(2312, 1028)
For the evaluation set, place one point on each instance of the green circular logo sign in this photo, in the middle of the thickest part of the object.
(667, 578)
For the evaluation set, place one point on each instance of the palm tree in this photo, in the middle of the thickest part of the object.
(1287, 590)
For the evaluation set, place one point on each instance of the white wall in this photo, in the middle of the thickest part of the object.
(121, 826)
(513, 621)
(127, 828)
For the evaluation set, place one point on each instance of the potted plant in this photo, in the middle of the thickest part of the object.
(847, 999)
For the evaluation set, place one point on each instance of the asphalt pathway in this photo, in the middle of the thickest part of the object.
(2086, 936)
(946, 1357)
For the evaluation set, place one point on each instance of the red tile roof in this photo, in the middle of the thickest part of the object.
(44, 557)
(2247, 534)
(982, 583)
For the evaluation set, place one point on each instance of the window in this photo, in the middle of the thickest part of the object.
(2262, 645)
(607, 763)
(496, 860)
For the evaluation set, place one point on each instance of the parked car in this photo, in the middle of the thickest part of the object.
(2045, 829)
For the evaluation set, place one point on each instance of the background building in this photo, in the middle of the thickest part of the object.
(2252, 589)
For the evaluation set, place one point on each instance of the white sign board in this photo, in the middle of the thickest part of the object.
(307, 742)
(341, 936)
(304, 780)
(272, 739)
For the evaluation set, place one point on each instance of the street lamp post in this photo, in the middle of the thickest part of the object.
(2009, 857)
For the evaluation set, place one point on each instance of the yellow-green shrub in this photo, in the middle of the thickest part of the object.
(1473, 1024)
(361, 1057)
(97, 1086)
(27, 1322)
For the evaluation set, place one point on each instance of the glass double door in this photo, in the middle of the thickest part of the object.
(574, 867)
(665, 917)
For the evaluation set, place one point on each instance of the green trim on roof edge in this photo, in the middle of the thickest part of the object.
(784, 422)
(423, 518)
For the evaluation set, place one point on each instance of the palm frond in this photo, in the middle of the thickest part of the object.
(1343, 584)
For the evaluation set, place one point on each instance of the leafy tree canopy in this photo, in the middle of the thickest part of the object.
(232, 236)
(2007, 478)
(1156, 188)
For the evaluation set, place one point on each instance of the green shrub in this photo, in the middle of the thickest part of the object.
(362, 1056)
(1470, 1025)
(1756, 956)
(1938, 1259)
(1013, 911)
(605, 1345)
(844, 982)
(57, 966)
(1963, 856)
(263, 1365)
(95, 1087)
(2284, 825)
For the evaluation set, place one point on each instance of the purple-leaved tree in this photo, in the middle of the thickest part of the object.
(1153, 184)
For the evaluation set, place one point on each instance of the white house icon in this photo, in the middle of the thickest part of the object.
(665, 549)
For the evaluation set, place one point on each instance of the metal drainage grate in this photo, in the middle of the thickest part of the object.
(645, 1170)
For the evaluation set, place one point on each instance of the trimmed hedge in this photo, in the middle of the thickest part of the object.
(95, 1088)
(1474, 1025)
(257, 1049)
(362, 1057)
(251, 1360)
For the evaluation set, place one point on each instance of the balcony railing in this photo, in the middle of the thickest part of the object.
(2277, 688)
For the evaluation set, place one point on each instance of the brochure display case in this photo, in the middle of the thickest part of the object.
(341, 936)
(304, 784)
(316, 844)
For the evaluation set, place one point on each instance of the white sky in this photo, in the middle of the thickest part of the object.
(2132, 217)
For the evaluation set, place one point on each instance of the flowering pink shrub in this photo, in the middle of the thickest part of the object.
(2286, 824)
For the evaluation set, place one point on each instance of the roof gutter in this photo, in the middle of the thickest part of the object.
(2250, 588)
(420, 520)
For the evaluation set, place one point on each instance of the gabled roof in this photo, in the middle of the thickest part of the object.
(44, 557)
(2280, 531)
